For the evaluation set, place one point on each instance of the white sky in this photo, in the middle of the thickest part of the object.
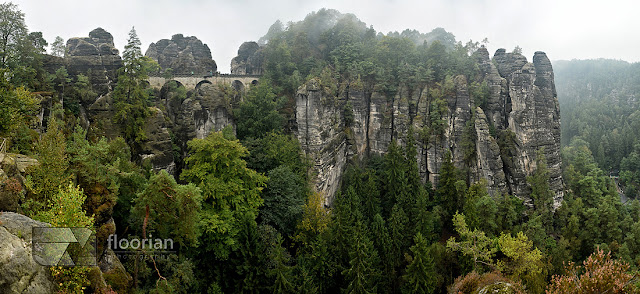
(564, 29)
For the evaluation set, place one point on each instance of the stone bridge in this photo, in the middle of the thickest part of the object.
(238, 82)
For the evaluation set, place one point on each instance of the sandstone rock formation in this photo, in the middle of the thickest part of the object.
(203, 110)
(157, 147)
(249, 60)
(521, 107)
(96, 57)
(184, 55)
(19, 271)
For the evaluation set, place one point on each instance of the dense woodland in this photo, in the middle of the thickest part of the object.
(246, 219)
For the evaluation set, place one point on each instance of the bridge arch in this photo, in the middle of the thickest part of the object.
(238, 85)
(254, 82)
(170, 85)
(199, 84)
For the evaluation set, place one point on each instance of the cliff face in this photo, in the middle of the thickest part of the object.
(249, 60)
(519, 106)
(184, 55)
(96, 57)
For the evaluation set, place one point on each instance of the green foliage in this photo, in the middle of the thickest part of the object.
(509, 213)
(275, 149)
(70, 280)
(283, 199)
(473, 243)
(447, 190)
(522, 261)
(480, 93)
(229, 189)
(596, 106)
(12, 31)
(66, 210)
(43, 179)
(129, 96)
(58, 47)
(481, 209)
(420, 273)
(362, 274)
(104, 171)
(541, 194)
(314, 221)
(169, 210)
(630, 171)
(258, 115)
(18, 108)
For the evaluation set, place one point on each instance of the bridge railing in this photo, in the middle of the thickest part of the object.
(208, 76)
(3, 146)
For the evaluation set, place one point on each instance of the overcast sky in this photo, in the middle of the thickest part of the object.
(564, 29)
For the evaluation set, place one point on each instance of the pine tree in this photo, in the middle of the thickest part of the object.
(447, 190)
(398, 224)
(382, 243)
(425, 221)
(57, 47)
(129, 96)
(362, 274)
(541, 194)
(370, 195)
(396, 178)
(420, 273)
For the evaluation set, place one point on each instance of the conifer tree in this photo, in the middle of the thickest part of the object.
(398, 224)
(447, 190)
(420, 273)
(362, 274)
(129, 96)
(382, 243)
(396, 178)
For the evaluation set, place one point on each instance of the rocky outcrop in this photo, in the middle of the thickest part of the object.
(19, 271)
(249, 60)
(207, 109)
(157, 146)
(100, 117)
(535, 120)
(184, 55)
(322, 135)
(179, 116)
(12, 182)
(96, 57)
(518, 108)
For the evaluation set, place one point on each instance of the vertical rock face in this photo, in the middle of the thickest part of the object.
(194, 115)
(535, 121)
(322, 135)
(520, 104)
(249, 60)
(96, 57)
(20, 272)
(157, 147)
(184, 55)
